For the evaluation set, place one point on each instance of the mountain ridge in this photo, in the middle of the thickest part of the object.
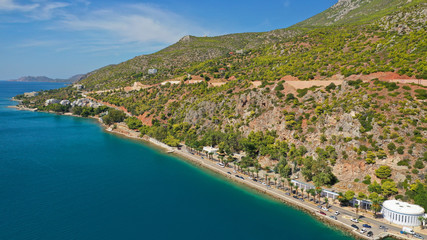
(72, 79)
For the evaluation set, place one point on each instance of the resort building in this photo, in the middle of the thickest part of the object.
(302, 185)
(210, 150)
(363, 204)
(402, 213)
(329, 194)
(307, 186)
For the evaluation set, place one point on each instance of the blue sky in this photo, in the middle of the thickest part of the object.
(60, 38)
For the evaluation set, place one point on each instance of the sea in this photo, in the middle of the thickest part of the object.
(64, 177)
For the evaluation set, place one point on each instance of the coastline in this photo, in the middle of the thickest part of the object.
(211, 166)
(271, 192)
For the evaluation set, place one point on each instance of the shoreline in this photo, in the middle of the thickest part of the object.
(211, 166)
(215, 169)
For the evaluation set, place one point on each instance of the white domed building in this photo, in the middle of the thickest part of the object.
(402, 213)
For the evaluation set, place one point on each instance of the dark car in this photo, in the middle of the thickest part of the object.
(367, 225)
(334, 217)
(355, 226)
(322, 213)
(370, 234)
(229, 172)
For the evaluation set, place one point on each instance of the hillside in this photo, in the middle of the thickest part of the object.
(328, 101)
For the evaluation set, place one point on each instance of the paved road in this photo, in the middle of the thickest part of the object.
(344, 217)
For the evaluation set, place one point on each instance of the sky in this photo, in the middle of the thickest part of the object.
(61, 38)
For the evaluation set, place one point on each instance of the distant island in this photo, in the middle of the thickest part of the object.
(72, 79)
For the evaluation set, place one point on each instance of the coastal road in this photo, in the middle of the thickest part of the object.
(343, 219)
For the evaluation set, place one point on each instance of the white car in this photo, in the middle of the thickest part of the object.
(337, 213)
(325, 209)
(363, 230)
(354, 220)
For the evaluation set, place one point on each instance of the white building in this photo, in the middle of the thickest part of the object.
(78, 86)
(51, 101)
(65, 102)
(152, 71)
(402, 213)
(210, 150)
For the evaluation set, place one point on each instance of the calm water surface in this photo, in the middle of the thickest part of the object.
(64, 178)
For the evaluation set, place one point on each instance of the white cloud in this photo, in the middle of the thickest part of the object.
(10, 5)
(48, 10)
(135, 23)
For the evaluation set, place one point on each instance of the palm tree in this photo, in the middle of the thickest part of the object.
(302, 192)
(275, 180)
(318, 191)
(376, 206)
(327, 201)
(296, 189)
(313, 193)
(257, 171)
(266, 178)
(422, 220)
(283, 183)
(357, 210)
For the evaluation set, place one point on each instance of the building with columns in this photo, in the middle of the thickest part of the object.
(402, 213)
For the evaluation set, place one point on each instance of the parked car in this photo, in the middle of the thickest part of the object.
(370, 234)
(367, 225)
(416, 235)
(363, 230)
(334, 217)
(354, 220)
(355, 226)
(337, 213)
(325, 209)
(322, 213)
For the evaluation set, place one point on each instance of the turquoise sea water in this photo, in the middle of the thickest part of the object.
(64, 178)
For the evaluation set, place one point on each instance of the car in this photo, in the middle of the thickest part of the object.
(367, 225)
(253, 179)
(363, 230)
(382, 227)
(334, 217)
(229, 172)
(355, 226)
(370, 234)
(288, 194)
(325, 209)
(322, 213)
(237, 176)
(337, 213)
(354, 220)
(263, 183)
(416, 235)
(319, 206)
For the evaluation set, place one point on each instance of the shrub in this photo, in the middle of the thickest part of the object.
(419, 164)
(404, 162)
(401, 150)
(383, 172)
(406, 88)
